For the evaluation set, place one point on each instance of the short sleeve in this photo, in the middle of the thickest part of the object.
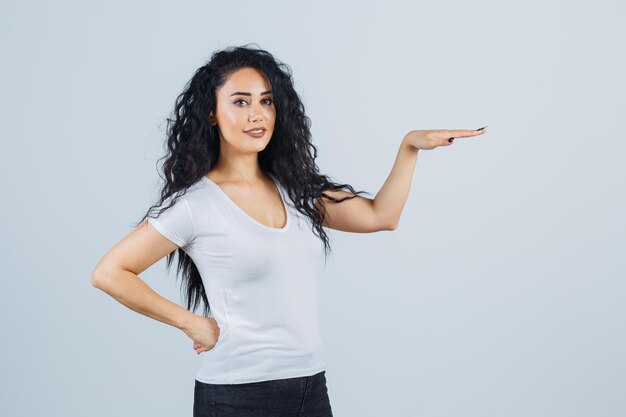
(175, 223)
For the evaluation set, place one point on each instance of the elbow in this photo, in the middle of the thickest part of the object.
(95, 279)
(98, 279)
(387, 226)
(390, 224)
(386, 223)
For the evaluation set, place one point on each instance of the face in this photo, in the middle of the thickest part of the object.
(244, 102)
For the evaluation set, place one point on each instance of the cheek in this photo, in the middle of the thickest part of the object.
(270, 116)
(232, 120)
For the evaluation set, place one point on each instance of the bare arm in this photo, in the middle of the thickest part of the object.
(130, 290)
(391, 198)
(117, 274)
(366, 215)
(383, 212)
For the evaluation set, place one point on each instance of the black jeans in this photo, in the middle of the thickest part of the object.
(305, 396)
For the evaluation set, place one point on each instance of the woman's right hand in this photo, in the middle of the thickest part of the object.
(204, 331)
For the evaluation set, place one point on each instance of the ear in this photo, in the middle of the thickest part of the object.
(212, 119)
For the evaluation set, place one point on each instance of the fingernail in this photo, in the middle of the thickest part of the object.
(482, 128)
(450, 140)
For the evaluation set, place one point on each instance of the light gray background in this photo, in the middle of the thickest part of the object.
(502, 291)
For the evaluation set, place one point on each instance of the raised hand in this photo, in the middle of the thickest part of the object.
(430, 139)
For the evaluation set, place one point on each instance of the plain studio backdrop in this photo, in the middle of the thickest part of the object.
(502, 292)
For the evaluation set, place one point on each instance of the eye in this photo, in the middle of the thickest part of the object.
(267, 99)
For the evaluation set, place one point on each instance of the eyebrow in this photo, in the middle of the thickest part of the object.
(239, 93)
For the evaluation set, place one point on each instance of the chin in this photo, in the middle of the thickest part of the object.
(255, 147)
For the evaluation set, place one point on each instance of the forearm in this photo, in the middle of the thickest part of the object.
(130, 290)
(390, 200)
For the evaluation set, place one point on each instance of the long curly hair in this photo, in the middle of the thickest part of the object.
(193, 148)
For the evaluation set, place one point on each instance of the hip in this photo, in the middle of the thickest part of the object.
(288, 397)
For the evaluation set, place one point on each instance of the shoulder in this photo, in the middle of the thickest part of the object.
(195, 190)
(202, 197)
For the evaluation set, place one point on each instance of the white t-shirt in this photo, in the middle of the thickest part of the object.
(261, 283)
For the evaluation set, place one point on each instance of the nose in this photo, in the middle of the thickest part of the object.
(255, 115)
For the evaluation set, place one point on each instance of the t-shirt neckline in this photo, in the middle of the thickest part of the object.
(246, 215)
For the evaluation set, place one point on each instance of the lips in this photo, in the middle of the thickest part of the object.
(255, 135)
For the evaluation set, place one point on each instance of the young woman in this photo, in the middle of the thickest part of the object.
(244, 206)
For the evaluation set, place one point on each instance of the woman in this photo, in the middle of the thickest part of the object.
(244, 207)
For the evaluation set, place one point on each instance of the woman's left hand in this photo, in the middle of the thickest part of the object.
(430, 139)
